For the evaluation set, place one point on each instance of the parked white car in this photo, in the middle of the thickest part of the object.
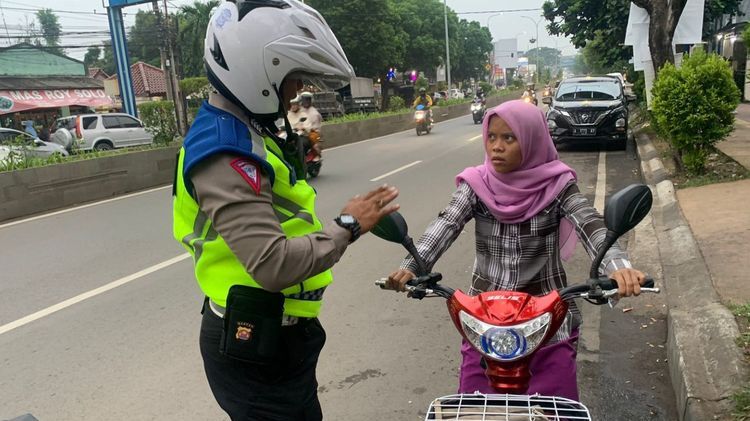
(456, 94)
(23, 143)
(103, 132)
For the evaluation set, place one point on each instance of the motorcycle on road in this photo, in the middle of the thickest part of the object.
(478, 109)
(508, 327)
(422, 120)
(313, 153)
(310, 149)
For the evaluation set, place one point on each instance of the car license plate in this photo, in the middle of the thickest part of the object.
(583, 131)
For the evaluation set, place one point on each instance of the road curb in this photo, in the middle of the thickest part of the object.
(705, 364)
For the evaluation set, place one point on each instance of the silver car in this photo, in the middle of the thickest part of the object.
(15, 141)
(103, 132)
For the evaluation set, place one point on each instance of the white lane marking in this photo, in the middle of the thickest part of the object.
(601, 182)
(47, 215)
(592, 325)
(474, 138)
(89, 294)
(396, 170)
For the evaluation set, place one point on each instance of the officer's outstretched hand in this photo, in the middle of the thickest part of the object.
(368, 209)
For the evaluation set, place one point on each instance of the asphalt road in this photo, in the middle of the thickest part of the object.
(99, 309)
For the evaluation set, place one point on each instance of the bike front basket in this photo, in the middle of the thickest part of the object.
(479, 407)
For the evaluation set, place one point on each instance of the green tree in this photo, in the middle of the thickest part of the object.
(693, 106)
(606, 21)
(107, 62)
(368, 32)
(91, 59)
(600, 29)
(423, 22)
(475, 45)
(196, 86)
(51, 29)
(193, 21)
(547, 56)
(145, 38)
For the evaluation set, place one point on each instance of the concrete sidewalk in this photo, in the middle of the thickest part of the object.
(719, 217)
(704, 244)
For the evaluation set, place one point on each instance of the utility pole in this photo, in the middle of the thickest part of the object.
(447, 46)
(172, 79)
(163, 51)
(536, 23)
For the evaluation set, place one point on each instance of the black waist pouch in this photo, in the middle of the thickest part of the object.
(252, 325)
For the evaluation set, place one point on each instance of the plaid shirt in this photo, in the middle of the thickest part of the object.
(520, 257)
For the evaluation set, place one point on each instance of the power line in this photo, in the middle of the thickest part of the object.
(479, 12)
(27, 8)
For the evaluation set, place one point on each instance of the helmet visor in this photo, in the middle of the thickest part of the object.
(323, 83)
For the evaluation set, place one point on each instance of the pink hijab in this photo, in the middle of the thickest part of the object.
(519, 195)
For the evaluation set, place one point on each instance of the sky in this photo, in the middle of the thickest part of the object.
(84, 22)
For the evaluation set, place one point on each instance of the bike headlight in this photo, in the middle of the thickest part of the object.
(505, 343)
(476, 107)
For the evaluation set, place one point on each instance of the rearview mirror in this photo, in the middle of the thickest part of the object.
(547, 100)
(626, 208)
(392, 228)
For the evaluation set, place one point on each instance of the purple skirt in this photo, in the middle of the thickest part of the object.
(553, 370)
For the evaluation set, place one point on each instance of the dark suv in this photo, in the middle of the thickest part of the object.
(589, 109)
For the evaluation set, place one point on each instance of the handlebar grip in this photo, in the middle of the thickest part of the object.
(607, 284)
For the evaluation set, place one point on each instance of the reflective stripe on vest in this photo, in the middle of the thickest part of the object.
(217, 268)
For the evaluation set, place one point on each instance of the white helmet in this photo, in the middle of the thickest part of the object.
(251, 46)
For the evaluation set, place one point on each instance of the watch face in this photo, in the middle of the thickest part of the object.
(347, 219)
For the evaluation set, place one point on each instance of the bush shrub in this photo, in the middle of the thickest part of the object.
(159, 119)
(486, 87)
(693, 106)
(396, 103)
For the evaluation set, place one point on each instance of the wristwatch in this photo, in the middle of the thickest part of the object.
(350, 223)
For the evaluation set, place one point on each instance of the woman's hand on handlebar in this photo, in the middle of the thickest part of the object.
(629, 281)
(398, 279)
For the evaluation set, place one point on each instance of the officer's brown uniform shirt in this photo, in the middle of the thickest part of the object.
(244, 217)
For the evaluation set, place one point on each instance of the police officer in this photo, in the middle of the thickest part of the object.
(262, 257)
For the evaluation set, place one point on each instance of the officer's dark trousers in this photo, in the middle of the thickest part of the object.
(286, 391)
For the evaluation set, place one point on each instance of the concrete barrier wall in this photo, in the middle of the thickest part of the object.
(35, 190)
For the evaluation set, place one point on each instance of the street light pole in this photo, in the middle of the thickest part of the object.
(447, 46)
(490, 17)
(536, 23)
